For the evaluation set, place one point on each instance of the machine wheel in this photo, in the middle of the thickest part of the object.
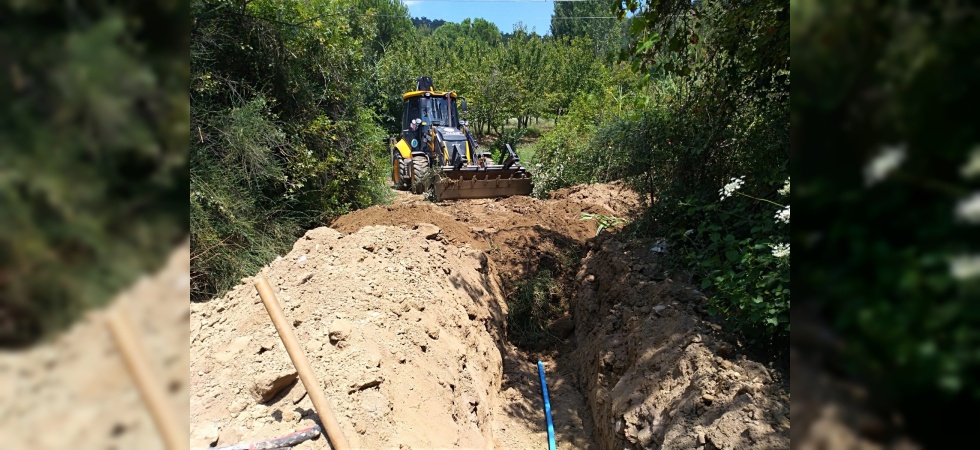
(420, 174)
(394, 164)
(402, 167)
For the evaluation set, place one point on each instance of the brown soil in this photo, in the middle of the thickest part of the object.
(402, 312)
(655, 374)
(76, 392)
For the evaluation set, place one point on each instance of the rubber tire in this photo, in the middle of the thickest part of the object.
(402, 185)
(420, 171)
(391, 165)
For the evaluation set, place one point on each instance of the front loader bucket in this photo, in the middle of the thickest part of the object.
(483, 183)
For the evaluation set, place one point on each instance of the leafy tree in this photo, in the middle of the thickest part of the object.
(482, 31)
(283, 142)
(390, 21)
(426, 25)
(592, 19)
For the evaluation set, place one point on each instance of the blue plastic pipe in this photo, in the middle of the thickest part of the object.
(547, 408)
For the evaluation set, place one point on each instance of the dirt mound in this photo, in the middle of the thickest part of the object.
(521, 234)
(405, 319)
(401, 329)
(75, 392)
(654, 375)
(617, 199)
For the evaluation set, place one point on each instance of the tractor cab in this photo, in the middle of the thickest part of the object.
(433, 115)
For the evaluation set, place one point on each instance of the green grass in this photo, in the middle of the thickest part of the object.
(533, 304)
(535, 130)
(526, 152)
(526, 149)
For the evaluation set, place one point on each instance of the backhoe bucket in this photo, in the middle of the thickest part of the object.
(492, 181)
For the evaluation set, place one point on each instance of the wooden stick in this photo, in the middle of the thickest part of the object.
(296, 354)
(150, 388)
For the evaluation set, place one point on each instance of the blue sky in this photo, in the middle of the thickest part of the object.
(536, 15)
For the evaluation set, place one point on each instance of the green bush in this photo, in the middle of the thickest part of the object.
(278, 147)
(93, 161)
(889, 257)
(512, 136)
(695, 122)
(739, 254)
(534, 303)
(564, 155)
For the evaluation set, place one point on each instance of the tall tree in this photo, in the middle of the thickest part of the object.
(391, 22)
(591, 19)
(283, 140)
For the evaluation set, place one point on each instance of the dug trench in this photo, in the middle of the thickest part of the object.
(424, 322)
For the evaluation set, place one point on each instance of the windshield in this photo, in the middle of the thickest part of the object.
(440, 110)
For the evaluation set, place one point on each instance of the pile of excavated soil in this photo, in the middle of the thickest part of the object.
(521, 234)
(401, 311)
(654, 374)
(76, 392)
(401, 330)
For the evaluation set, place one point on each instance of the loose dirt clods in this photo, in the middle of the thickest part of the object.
(402, 312)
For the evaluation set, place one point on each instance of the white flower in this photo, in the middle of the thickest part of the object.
(887, 161)
(780, 250)
(730, 188)
(785, 189)
(965, 267)
(783, 215)
(968, 209)
(972, 167)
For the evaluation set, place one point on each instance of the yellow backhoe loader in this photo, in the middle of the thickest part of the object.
(437, 154)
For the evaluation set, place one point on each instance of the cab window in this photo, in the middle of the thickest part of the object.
(411, 112)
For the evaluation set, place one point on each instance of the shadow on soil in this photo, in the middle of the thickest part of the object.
(630, 366)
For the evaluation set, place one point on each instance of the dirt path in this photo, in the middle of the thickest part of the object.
(404, 312)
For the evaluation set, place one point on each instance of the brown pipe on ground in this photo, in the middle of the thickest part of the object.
(152, 391)
(296, 354)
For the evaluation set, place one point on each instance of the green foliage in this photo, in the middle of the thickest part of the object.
(571, 153)
(534, 303)
(93, 171)
(426, 25)
(591, 19)
(603, 221)
(676, 124)
(512, 136)
(526, 76)
(880, 256)
(527, 154)
(389, 22)
(668, 37)
(282, 140)
(739, 253)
